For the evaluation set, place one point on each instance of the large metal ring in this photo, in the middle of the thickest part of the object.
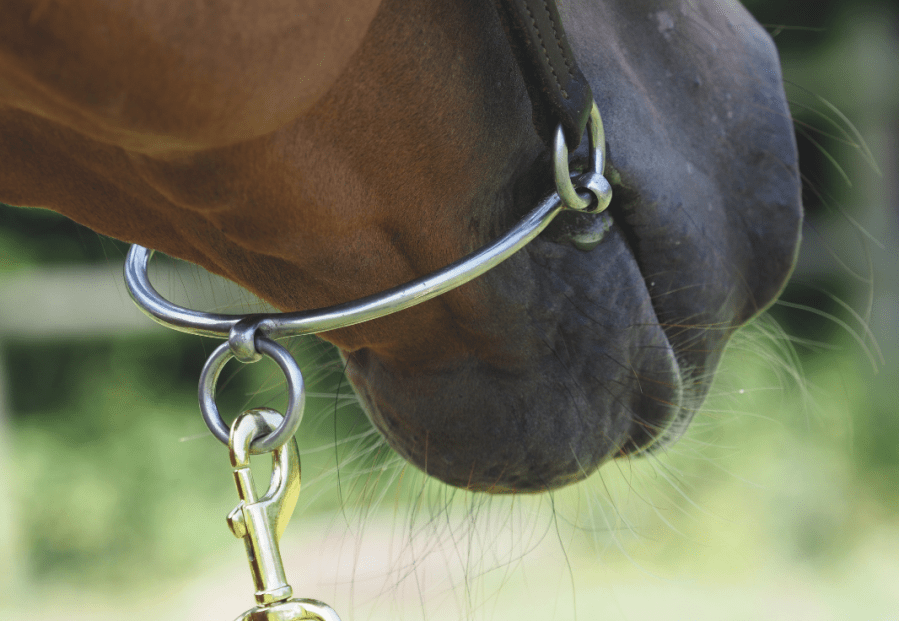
(296, 395)
(596, 201)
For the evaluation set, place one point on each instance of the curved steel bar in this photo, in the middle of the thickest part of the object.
(160, 310)
(277, 325)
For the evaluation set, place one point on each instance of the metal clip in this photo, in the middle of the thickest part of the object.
(261, 522)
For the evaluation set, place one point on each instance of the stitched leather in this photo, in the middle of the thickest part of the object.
(559, 91)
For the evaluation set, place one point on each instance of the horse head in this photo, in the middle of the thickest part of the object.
(411, 146)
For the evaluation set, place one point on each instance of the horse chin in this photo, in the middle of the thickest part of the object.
(586, 374)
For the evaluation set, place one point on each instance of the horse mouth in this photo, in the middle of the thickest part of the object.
(647, 436)
(647, 439)
(595, 377)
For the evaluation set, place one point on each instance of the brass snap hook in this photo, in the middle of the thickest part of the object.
(261, 522)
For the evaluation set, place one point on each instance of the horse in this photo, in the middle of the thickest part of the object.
(319, 152)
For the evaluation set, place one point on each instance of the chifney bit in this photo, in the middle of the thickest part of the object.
(563, 107)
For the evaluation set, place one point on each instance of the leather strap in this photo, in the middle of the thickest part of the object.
(559, 91)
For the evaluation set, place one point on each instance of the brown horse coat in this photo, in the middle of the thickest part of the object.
(319, 151)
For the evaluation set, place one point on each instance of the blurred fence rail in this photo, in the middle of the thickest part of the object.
(68, 302)
(91, 301)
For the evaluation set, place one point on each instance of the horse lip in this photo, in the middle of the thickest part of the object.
(674, 426)
(669, 435)
(662, 433)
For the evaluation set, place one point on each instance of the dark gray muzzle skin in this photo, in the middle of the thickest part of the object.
(592, 355)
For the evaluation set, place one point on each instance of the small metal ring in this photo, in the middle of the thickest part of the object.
(296, 395)
(597, 186)
(564, 186)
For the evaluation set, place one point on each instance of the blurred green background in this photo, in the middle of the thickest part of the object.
(782, 502)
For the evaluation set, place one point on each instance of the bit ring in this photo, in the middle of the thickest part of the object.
(593, 181)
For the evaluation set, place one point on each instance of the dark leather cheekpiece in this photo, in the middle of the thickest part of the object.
(558, 90)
